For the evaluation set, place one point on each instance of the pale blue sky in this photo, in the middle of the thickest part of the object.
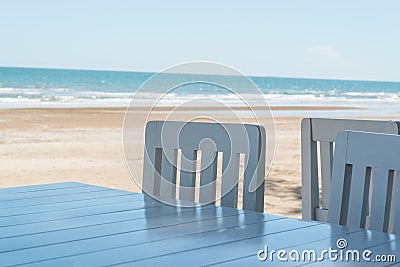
(310, 38)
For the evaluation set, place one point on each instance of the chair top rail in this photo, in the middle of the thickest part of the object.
(325, 129)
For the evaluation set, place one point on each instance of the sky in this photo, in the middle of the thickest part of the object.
(338, 39)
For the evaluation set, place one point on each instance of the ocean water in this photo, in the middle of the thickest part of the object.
(29, 87)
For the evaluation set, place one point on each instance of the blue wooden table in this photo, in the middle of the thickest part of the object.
(74, 224)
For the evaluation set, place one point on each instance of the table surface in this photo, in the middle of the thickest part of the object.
(74, 224)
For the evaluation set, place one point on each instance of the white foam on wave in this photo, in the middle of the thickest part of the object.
(43, 97)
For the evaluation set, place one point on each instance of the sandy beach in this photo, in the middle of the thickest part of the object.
(85, 145)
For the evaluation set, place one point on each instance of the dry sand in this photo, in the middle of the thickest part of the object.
(85, 145)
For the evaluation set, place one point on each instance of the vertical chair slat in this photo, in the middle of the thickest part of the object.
(339, 172)
(149, 158)
(254, 174)
(393, 206)
(230, 178)
(259, 204)
(366, 202)
(358, 196)
(157, 174)
(396, 209)
(388, 204)
(378, 201)
(208, 176)
(188, 175)
(250, 173)
(309, 170)
(326, 154)
(168, 173)
(344, 210)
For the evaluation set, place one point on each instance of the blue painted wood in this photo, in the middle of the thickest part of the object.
(158, 233)
(362, 240)
(96, 193)
(249, 247)
(32, 196)
(154, 249)
(112, 227)
(355, 237)
(71, 224)
(40, 187)
(104, 225)
(135, 203)
(98, 200)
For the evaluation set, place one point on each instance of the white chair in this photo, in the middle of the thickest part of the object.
(366, 165)
(165, 139)
(324, 131)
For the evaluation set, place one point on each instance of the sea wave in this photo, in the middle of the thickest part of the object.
(26, 97)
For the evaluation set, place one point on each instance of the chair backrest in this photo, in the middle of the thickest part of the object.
(324, 131)
(366, 164)
(170, 142)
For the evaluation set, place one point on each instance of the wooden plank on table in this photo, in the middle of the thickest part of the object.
(198, 241)
(64, 224)
(389, 248)
(39, 187)
(245, 251)
(152, 233)
(30, 218)
(115, 197)
(227, 219)
(94, 226)
(110, 232)
(360, 240)
(356, 238)
(59, 199)
(102, 234)
(48, 193)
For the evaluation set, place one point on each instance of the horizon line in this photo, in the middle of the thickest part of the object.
(154, 72)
